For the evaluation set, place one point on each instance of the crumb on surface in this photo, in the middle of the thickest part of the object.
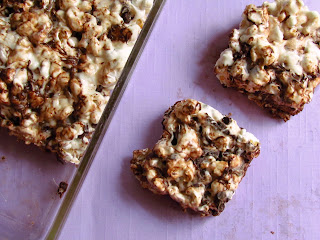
(62, 188)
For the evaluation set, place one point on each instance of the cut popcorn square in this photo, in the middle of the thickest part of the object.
(200, 159)
(274, 56)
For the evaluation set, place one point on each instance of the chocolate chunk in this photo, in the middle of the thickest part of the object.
(119, 33)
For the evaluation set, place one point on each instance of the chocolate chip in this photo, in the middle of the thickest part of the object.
(77, 35)
(9, 11)
(237, 55)
(226, 132)
(174, 140)
(226, 120)
(99, 88)
(214, 212)
(15, 121)
(195, 119)
(245, 48)
(38, 3)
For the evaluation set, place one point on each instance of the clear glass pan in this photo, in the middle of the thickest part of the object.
(30, 207)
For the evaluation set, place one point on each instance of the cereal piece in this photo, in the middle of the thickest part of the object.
(59, 62)
(274, 56)
(200, 159)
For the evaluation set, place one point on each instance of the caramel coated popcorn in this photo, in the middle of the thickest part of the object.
(199, 160)
(59, 61)
(274, 56)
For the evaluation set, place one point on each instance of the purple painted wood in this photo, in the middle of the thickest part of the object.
(279, 197)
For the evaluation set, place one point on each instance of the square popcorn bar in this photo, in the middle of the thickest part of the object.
(200, 159)
(274, 56)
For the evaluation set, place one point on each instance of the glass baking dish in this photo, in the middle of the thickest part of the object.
(30, 207)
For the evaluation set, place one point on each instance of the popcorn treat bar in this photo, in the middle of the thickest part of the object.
(274, 56)
(199, 160)
(59, 61)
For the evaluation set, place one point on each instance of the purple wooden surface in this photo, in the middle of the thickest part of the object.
(279, 197)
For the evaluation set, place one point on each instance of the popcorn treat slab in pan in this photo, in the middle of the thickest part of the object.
(60, 61)
(274, 56)
(200, 159)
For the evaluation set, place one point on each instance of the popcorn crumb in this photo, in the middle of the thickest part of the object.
(62, 188)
